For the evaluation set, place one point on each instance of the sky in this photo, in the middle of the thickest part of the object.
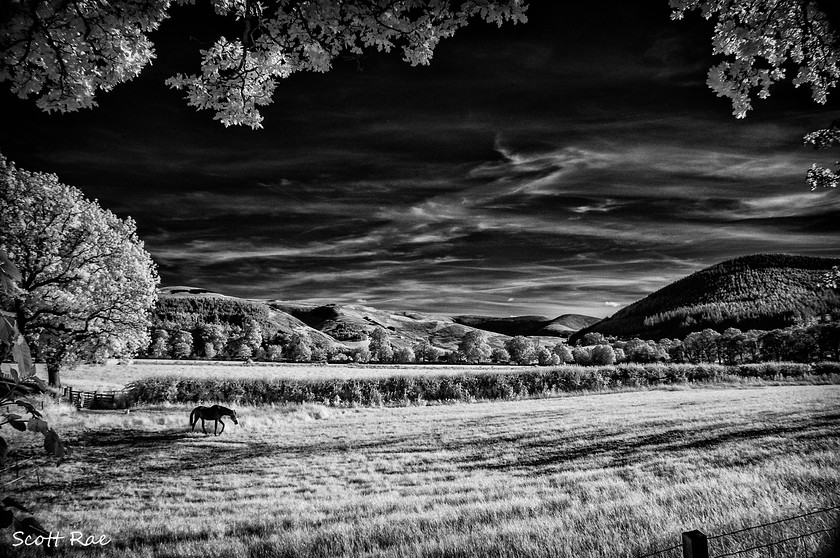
(573, 164)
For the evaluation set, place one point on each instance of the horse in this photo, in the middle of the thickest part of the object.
(215, 413)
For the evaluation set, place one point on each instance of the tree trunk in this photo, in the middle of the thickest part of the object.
(54, 374)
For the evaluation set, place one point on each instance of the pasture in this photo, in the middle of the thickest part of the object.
(584, 476)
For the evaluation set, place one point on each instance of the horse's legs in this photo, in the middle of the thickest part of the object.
(202, 426)
(223, 425)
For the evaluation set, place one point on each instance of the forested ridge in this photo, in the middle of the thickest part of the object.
(188, 312)
(764, 291)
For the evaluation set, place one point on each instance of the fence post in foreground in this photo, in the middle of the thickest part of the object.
(695, 545)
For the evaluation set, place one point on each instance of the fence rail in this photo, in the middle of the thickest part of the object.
(807, 535)
(120, 399)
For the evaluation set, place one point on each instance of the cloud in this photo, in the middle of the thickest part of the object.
(613, 304)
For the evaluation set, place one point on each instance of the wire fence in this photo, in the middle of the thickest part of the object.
(806, 535)
(813, 534)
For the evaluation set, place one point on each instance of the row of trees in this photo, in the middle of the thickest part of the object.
(212, 341)
(796, 344)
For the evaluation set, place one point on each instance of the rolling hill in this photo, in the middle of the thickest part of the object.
(541, 326)
(349, 325)
(764, 291)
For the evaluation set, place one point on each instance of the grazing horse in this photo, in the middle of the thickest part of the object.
(215, 413)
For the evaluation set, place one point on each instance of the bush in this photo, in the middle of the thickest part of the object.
(826, 368)
(773, 370)
(487, 385)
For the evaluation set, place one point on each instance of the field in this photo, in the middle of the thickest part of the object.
(614, 474)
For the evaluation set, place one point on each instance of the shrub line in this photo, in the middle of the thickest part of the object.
(468, 386)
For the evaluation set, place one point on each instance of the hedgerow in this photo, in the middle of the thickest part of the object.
(469, 386)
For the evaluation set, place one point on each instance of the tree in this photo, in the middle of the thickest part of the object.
(182, 344)
(404, 355)
(773, 344)
(455, 357)
(274, 352)
(546, 358)
(474, 346)
(87, 283)
(637, 350)
(252, 334)
(214, 336)
(731, 345)
(299, 348)
(759, 40)
(425, 352)
(160, 344)
(801, 346)
(361, 355)
(700, 346)
(499, 355)
(603, 355)
(594, 338)
(521, 350)
(64, 53)
(582, 356)
(380, 346)
(563, 352)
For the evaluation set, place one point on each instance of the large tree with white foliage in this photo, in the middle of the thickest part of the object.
(86, 282)
(64, 52)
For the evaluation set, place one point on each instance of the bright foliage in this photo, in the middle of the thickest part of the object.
(87, 283)
(65, 52)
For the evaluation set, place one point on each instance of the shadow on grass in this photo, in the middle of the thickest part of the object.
(469, 448)
(540, 457)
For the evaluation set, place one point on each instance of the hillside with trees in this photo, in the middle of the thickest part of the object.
(190, 322)
(765, 291)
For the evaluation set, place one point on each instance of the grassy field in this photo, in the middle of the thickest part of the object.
(586, 476)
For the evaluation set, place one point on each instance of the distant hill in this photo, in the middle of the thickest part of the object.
(351, 324)
(188, 307)
(567, 324)
(764, 291)
(562, 326)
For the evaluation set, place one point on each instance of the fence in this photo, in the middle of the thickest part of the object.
(97, 399)
(814, 534)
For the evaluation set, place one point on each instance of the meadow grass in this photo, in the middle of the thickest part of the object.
(585, 476)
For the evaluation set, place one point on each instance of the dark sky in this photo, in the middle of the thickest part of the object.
(572, 164)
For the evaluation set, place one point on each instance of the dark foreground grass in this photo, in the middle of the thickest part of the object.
(608, 475)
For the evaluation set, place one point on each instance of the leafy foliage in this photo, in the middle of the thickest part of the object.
(760, 41)
(66, 52)
(86, 281)
(15, 396)
(175, 312)
(469, 386)
(474, 346)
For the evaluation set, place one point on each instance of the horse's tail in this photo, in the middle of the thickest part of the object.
(193, 417)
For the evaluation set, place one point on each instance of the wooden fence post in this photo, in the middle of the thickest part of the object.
(695, 545)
